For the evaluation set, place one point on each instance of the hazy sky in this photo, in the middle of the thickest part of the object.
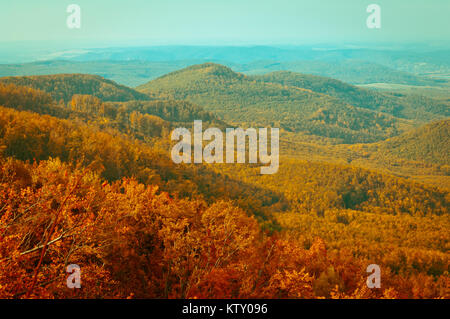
(224, 22)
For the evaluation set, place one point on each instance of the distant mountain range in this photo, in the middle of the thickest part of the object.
(135, 66)
(415, 60)
(135, 72)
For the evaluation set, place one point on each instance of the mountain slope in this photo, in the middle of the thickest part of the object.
(429, 143)
(416, 107)
(64, 86)
(149, 118)
(237, 98)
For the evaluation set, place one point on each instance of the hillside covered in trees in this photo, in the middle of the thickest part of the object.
(403, 106)
(86, 178)
(64, 86)
(237, 98)
(428, 143)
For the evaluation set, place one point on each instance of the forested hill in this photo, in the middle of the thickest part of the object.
(237, 98)
(144, 119)
(64, 86)
(429, 143)
(142, 226)
(420, 108)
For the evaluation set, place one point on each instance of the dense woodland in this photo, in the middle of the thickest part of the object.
(237, 98)
(403, 106)
(63, 86)
(86, 178)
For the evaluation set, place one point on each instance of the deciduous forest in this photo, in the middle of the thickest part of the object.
(86, 178)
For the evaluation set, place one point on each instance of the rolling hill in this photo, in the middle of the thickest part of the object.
(237, 98)
(399, 105)
(64, 86)
(429, 143)
(150, 118)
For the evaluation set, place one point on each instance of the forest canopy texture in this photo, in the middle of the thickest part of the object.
(86, 178)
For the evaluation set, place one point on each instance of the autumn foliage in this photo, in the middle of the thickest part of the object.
(132, 240)
(87, 182)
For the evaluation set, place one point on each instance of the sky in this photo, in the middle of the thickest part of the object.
(212, 22)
